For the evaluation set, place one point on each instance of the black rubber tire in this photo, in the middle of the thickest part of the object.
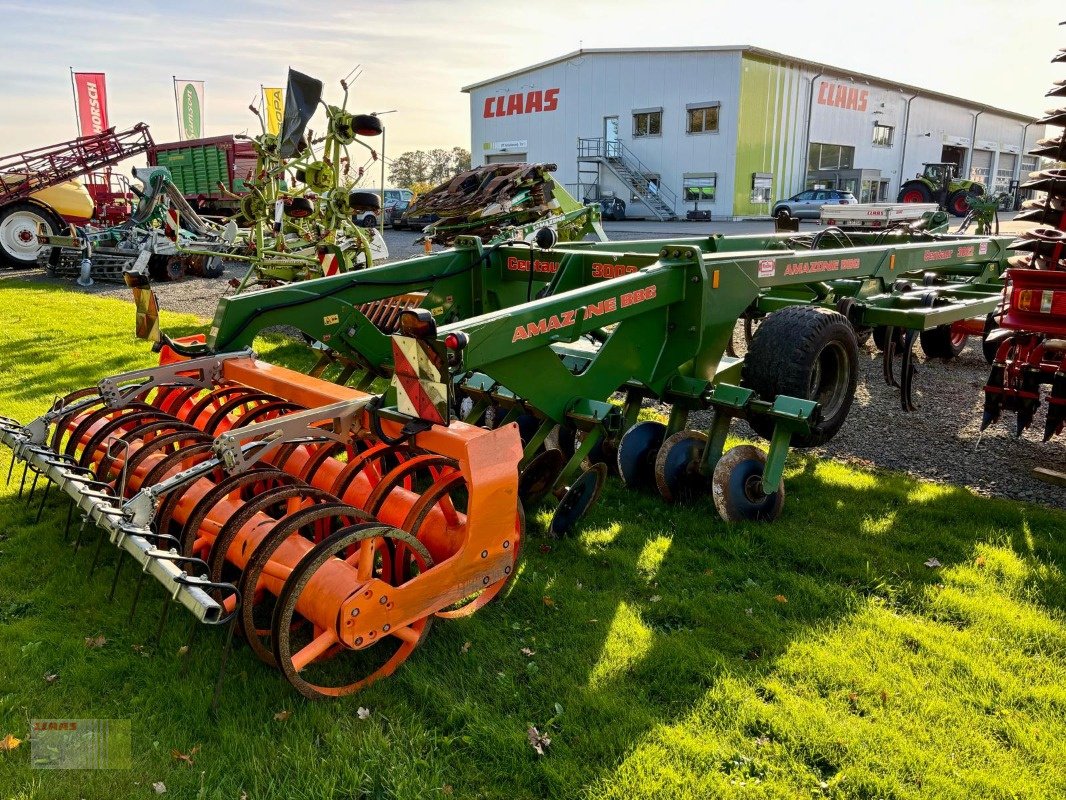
(915, 186)
(369, 221)
(784, 213)
(50, 219)
(880, 339)
(794, 349)
(213, 267)
(362, 200)
(937, 343)
(989, 350)
(958, 203)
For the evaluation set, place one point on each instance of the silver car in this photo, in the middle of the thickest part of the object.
(808, 204)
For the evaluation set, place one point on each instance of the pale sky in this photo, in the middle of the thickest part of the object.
(417, 54)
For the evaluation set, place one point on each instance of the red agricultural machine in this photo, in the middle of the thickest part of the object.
(37, 194)
(1031, 342)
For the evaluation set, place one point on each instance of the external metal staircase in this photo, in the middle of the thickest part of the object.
(629, 169)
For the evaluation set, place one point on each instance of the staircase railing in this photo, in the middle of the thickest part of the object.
(616, 154)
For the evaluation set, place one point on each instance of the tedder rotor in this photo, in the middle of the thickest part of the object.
(544, 334)
(330, 528)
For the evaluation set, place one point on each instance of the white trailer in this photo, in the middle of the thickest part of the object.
(864, 216)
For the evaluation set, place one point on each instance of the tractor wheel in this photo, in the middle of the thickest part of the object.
(959, 203)
(915, 192)
(809, 353)
(941, 342)
(19, 223)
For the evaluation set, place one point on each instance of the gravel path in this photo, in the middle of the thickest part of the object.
(939, 442)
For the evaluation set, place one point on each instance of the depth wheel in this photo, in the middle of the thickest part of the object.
(677, 467)
(942, 342)
(737, 487)
(299, 650)
(636, 454)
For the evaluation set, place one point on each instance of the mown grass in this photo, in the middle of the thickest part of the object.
(816, 657)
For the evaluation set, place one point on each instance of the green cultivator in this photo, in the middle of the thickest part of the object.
(546, 335)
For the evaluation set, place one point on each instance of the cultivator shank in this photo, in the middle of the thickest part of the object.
(329, 529)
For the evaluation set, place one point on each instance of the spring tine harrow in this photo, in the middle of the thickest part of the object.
(251, 493)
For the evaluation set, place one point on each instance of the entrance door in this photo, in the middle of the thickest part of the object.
(610, 137)
(950, 154)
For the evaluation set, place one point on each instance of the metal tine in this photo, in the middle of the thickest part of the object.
(226, 649)
(186, 656)
(33, 486)
(22, 485)
(114, 580)
(66, 525)
(137, 592)
(162, 620)
(44, 496)
(10, 469)
(96, 553)
(81, 530)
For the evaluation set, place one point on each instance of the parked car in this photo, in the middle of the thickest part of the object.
(400, 220)
(808, 205)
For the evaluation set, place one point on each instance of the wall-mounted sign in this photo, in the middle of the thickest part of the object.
(840, 95)
(958, 141)
(1010, 148)
(514, 144)
(506, 105)
(984, 144)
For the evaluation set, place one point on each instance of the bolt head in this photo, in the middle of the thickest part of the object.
(383, 600)
(355, 612)
(385, 628)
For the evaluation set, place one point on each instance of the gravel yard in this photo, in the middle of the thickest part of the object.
(940, 442)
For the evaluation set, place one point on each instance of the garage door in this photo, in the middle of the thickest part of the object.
(980, 166)
(507, 158)
(1004, 171)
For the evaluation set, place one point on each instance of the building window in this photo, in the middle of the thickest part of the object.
(762, 187)
(698, 187)
(702, 117)
(648, 123)
(831, 156)
(882, 135)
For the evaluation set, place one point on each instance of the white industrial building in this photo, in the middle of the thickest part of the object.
(731, 130)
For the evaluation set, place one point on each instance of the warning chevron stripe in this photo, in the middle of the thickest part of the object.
(409, 376)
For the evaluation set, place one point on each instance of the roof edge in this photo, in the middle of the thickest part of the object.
(746, 49)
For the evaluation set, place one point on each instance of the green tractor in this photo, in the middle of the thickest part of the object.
(938, 184)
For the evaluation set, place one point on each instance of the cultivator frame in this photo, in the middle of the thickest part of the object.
(481, 295)
(235, 483)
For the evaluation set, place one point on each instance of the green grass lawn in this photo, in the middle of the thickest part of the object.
(670, 655)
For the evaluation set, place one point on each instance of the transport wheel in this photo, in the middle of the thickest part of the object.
(941, 342)
(737, 487)
(784, 213)
(213, 268)
(881, 340)
(804, 352)
(989, 350)
(299, 649)
(677, 467)
(175, 268)
(915, 193)
(19, 224)
(636, 454)
(577, 500)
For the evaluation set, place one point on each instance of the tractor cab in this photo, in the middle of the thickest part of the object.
(940, 172)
